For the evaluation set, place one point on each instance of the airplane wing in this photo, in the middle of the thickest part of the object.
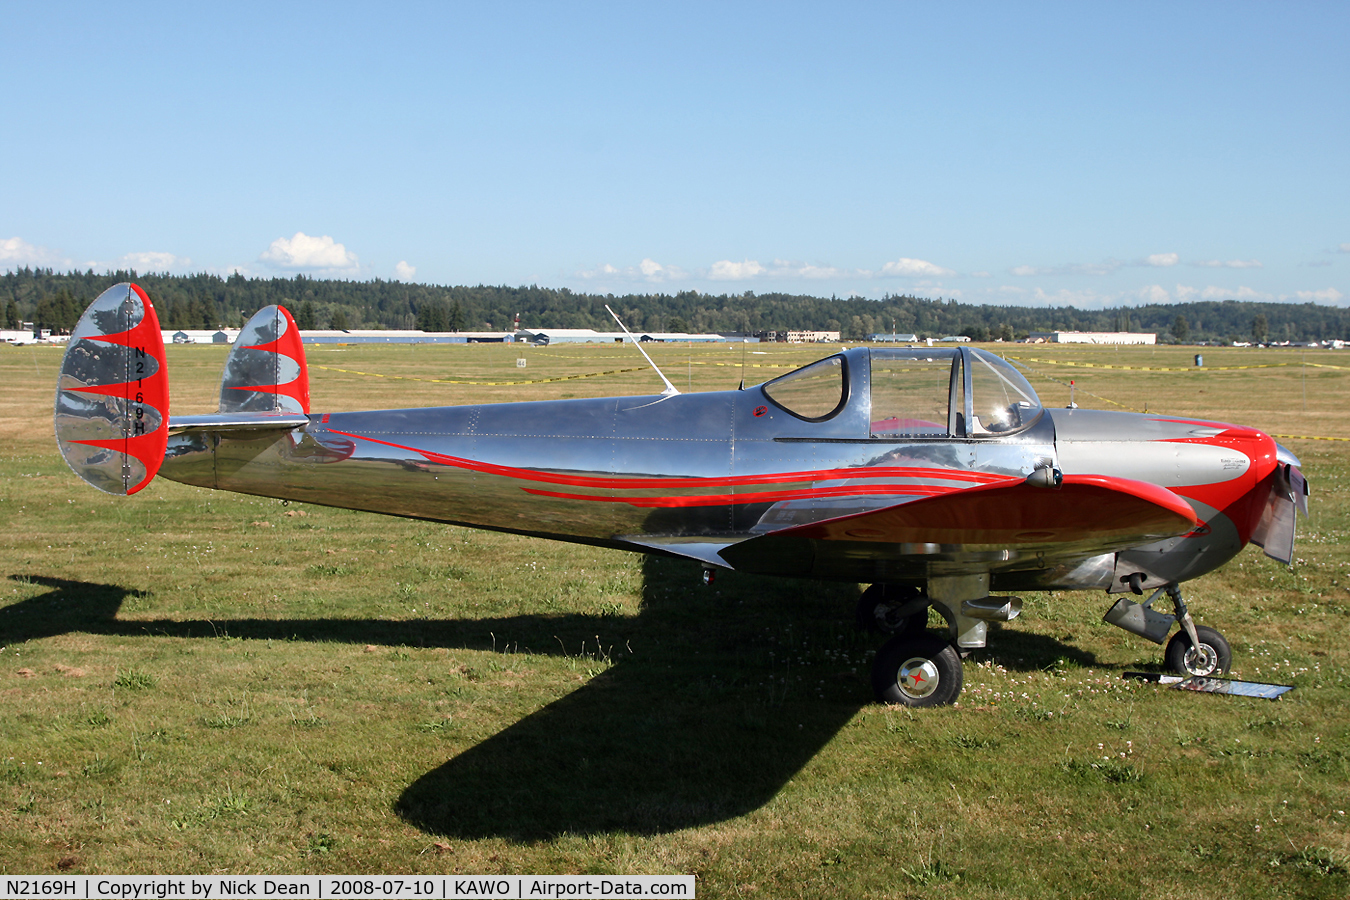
(1086, 515)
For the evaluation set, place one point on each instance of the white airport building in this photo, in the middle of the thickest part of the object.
(1091, 337)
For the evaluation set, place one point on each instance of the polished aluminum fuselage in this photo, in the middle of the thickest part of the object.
(697, 474)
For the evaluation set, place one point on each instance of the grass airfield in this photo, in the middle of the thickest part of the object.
(202, 682)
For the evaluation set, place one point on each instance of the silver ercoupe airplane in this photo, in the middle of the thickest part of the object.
(936, 475)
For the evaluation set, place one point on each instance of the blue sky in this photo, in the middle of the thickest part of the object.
(1033, 154)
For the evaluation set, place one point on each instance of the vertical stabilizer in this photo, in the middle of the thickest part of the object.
(266, 370)
(112, 397)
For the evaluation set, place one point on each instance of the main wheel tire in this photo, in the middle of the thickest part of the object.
(917, 670)
(1212, 658)
(878, 603)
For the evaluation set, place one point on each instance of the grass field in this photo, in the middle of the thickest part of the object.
(199, 682)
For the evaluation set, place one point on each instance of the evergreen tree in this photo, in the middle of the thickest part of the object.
(338, 320)
(1180, 330)
(203, 300)
(305, 319)
(1260, 328)
(12, 320)
(433, 317)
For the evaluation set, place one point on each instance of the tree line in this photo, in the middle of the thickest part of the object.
(55, 300)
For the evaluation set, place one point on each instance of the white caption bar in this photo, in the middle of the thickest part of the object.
(327, 887)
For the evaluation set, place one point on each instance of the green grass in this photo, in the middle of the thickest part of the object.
(183, 689)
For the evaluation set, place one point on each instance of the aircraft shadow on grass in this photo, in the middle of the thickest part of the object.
(726, 694)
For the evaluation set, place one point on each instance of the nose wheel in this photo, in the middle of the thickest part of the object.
(917, 670)
(1210, 656)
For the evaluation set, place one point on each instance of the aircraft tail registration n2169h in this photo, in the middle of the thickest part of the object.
(934, 475)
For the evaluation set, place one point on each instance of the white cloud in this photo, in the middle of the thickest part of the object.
(1154, 293)
(16, 253)
(603, 271)
(1242, 293)
(726, 270)
(980, 275)
(1326, 295)
(1345, 248)
(405, 272)
(306, 252)
(1105, 268)
(1228, 264)
(783, 268)
(1153, 260)
(1079, 299)
(649, 270)
(1187, 292)
(907, 267)
(153, 261)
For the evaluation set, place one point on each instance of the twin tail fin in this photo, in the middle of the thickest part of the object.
(112, 397)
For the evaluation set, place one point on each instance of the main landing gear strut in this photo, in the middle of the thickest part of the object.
(917, 667)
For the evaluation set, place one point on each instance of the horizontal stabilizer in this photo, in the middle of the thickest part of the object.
(240, 421)
(112, 396)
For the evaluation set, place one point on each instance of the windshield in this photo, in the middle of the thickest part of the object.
(1001, 399)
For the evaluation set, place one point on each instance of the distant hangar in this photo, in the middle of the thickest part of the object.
(1090, 337)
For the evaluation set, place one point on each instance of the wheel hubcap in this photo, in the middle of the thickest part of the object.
(1201, 660)
(918, 677)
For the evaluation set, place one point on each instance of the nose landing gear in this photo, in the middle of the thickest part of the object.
(1194, 650)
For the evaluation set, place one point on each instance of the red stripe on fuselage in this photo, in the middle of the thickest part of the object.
(614, 483)
(869, 490)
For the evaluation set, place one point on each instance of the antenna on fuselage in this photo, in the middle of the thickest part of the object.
(670, 390)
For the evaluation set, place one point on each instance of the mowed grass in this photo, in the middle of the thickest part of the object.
(202, 682)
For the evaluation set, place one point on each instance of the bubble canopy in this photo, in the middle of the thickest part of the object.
(957, 392)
